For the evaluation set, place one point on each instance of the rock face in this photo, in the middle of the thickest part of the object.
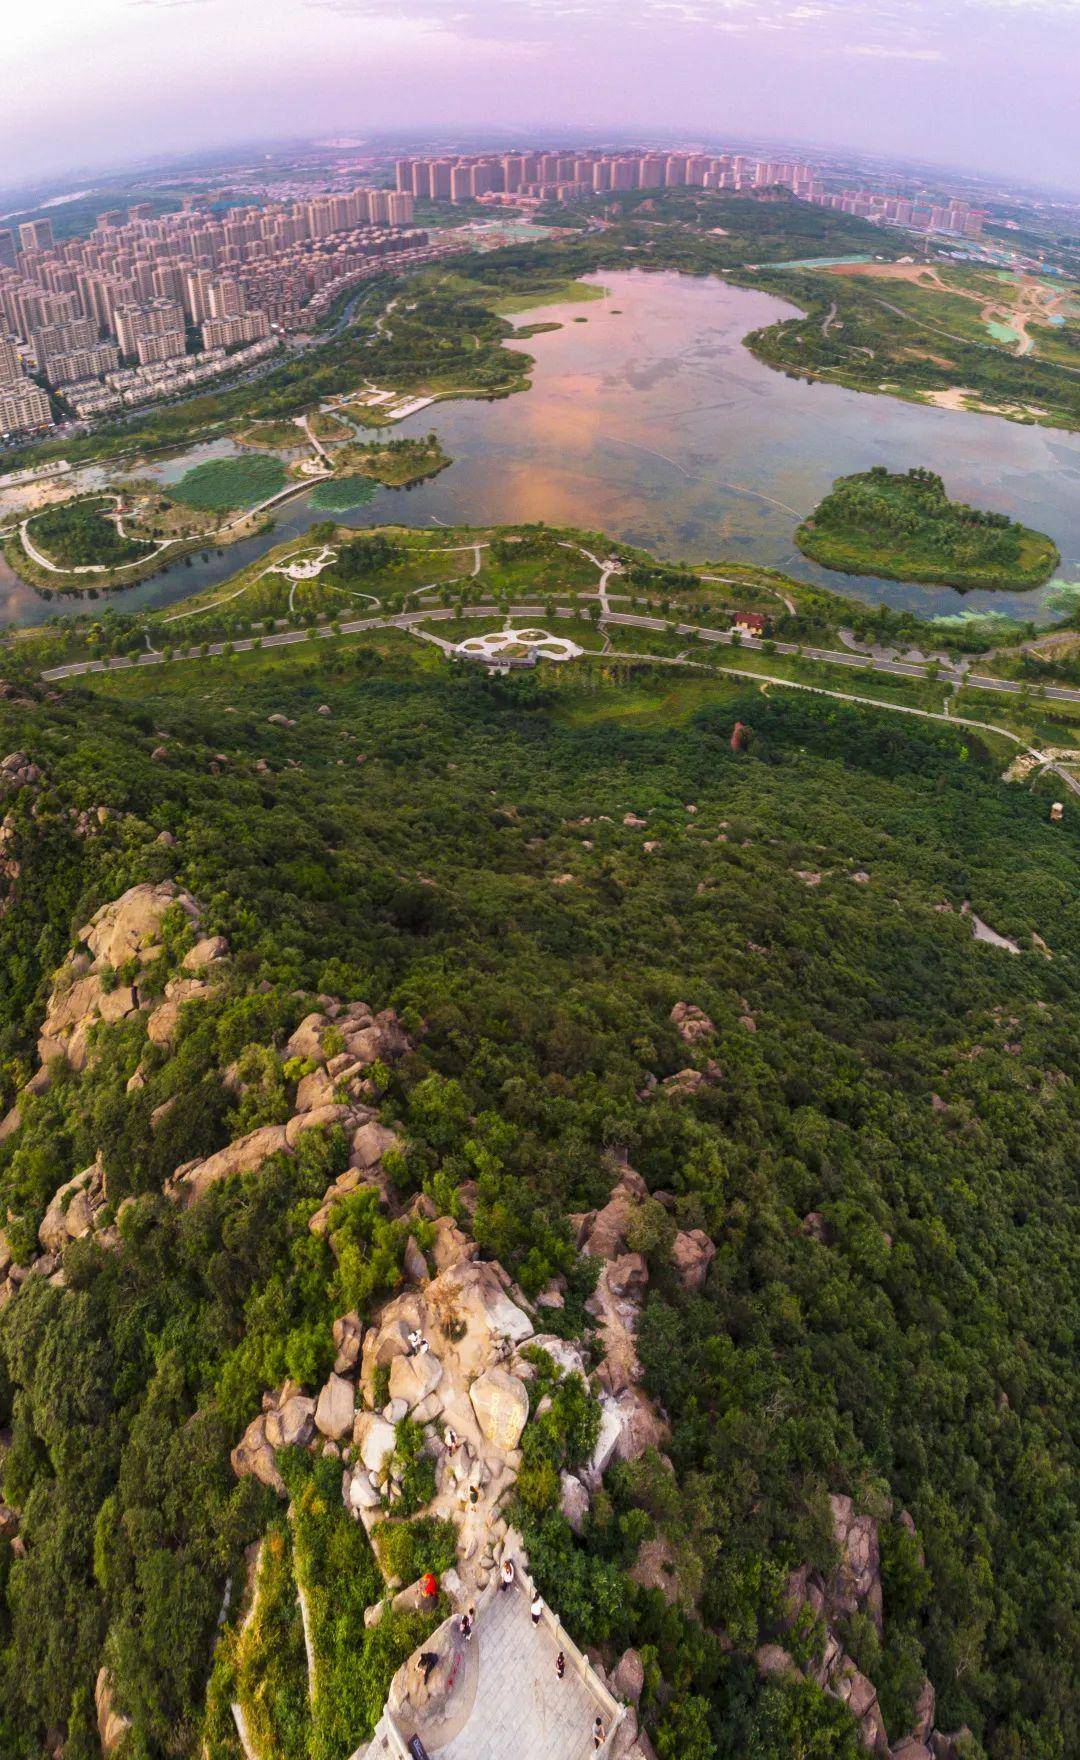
(606, 1237)
(121, 930)
(501, 1404)
(606, 1443)
(692, 1253)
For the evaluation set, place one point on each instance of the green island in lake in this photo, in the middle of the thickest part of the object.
(904, 527)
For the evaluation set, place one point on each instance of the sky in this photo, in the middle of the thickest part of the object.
(983, 84)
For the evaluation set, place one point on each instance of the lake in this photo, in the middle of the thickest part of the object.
(648, 419)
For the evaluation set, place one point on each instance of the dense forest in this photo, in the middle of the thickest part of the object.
(904, 526)
(880, 1139)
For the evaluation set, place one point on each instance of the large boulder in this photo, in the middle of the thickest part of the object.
(954, 1744)
(573, 1501)
(253, 1457)
(501, 1404)
(611, 1426)
(205, 953)
(292, 1425)
(375, 1439)
(414, 1378)
(642, 1426)
(348, 1333)
(371, 1142)
(243, 1156)
(123, 929)
(692, 1253)
(358, 1491)
(452, 1246)
(628, 1276)
(628, 1677)
(923, 1720)
(336, 1408)
(859, 1694)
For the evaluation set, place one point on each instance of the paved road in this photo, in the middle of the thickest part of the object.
(409, 620)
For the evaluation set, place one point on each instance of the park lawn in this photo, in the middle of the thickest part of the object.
(568, 292)
(282, 436)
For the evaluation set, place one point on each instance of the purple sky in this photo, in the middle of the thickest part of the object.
(990, 84)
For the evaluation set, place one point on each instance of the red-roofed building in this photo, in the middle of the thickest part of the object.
(750, 623)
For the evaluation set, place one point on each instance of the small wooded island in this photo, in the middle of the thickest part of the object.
(904, 527)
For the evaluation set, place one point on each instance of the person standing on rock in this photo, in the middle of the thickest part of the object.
(506, 1574)
(537, 1608)
(466, 1623)
(416, 1339)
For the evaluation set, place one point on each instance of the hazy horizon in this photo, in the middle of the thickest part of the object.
(976, 85)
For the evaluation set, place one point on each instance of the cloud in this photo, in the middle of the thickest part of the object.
(893, 52)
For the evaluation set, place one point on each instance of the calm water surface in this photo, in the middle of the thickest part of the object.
(651, 421)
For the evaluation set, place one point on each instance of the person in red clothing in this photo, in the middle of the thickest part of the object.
(429, 1585)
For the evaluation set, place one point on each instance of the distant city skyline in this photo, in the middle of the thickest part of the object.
(976, 84)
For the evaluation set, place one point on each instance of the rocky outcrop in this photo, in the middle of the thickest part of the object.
(85, 991)
(348, 1333)
(691, 1023)
(859, 1694)
(249, 1152)
(606, 1235)
(856, 1583)
(692, 1253)
(17, 771)
(319, 1104)
(112, 1724)
(74, 1209)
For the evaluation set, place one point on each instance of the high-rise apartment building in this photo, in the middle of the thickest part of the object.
(36, 235)
(10, 367)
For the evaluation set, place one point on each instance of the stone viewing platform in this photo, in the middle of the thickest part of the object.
(499, 1695)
